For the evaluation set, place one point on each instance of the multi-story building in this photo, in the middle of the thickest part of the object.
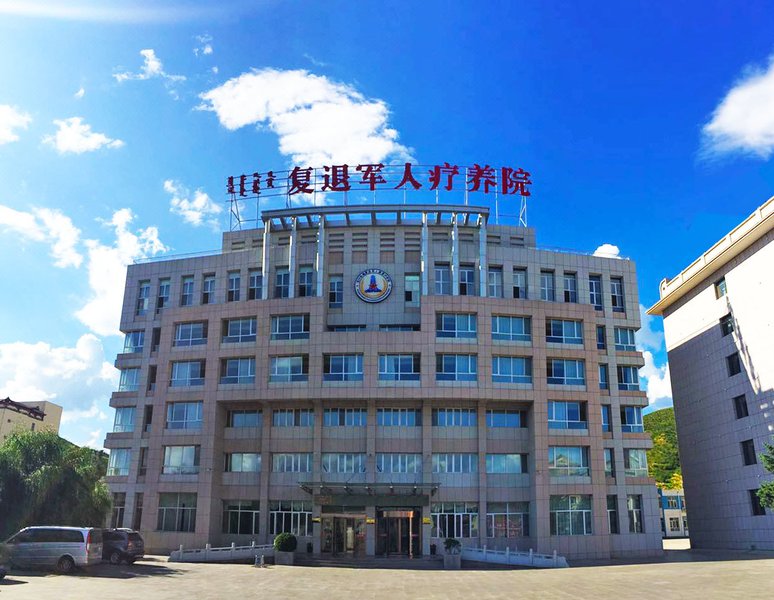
(28, 416)
(376, 379)
(674, 517)
(719, 325)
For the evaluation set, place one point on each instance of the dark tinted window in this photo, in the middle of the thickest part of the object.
(135, 537)
(96, 536)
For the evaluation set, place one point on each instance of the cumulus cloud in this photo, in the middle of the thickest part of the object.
(152, 68)
(76, 137)
(107, 271)
(197, 209)
(658, 385)
(205, 45)
(79, 94)
(11, 120)
(95, 412)
(649, 337)
(318, 121)
(608, 251)
(744, 119)
(47, 226)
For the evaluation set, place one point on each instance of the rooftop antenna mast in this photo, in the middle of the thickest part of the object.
(523, 212)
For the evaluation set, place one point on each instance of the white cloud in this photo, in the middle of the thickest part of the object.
(317, 120)
(214, 70)
(95, 441)
(608, 251)
(79, 94)
(205, 47)
(314, 61)
(744, 119)
(151, 68)
(107, 271)
(12, 119)
(658, 385)
(46, 225)
(95, 412)
(648, 337)
(199, 210)
(76, 137)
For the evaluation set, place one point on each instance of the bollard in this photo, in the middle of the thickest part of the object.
(555, 560)
(507, 555)
(233, 549)
(255, 562)
(207, 551)
(263, 564)
(531, 557)
(484, 552)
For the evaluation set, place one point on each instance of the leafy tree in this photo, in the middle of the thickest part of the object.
(664, 457)
(44, 479)
(766, 491)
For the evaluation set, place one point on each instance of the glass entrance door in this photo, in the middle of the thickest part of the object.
(343, 535)
(397, 532)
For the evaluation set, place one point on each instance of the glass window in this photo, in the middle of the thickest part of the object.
(609, 462)
(720, 288)
(412, 291)
(345, 417)
(734, 365)
(177, 512)
(184, 415)
(399, 463)
(566, 372)
(334, 462)
(255, 283)
(506, 463)
(239, 330)
(442, 280)
(454, 417)
(748, 452)
(606, 421)
(547, 291)
(119, 506)
(455, 463)
(398, 417)
(399, 367)
(740, 407)
(124, 420)
(570, 515)
(758, 509)
(190, 334)
(494, 280)
(237, 371)
(634, 507)
(520, 284)
(134, 342)
(343, 367)
(604, 377)
(234, 283)
(129, 380)
(624, 339)
(293, 417)
(628, 378)
(243, 462)
(187, 373)
(455, 325)
(570, 287)
(468, 280)
(335, 291)
(288, 369)
(517, 329)
(187, 291)
(567, 415)
(726, 325)
(454, 520)
(163, 298)
(506, 418)
(631, 419)
(305, 282)
(290, 327)
(208, 289)
(245, 418)
(564, 332)
(568, 461)
(612, 513)
(512, 369)
(635, 462)
(595, 291)
(241, 517)
(282, 283)
(617, 294)
(299, 462)
(118, 463)
(287, 516)
(181, 460)
(143, 298)
(507, 519)
(456, 367)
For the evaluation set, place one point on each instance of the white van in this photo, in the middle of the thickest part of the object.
(60, 548)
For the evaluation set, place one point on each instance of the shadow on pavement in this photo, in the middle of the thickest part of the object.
(9, 581)
(108, 571)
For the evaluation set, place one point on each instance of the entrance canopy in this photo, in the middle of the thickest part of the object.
(370, 494)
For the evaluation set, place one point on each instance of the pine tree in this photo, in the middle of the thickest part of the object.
(766, 491)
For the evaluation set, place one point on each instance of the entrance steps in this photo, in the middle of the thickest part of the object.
(369, 562)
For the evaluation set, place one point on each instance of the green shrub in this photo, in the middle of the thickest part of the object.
(285, 542)
(452, 546)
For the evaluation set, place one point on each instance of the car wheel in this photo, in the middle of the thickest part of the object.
(65, 565)
(115, 558)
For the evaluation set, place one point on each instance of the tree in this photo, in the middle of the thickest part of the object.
(44, 479)
(664, 457)
(766, 491)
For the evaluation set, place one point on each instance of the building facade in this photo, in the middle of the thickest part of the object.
(719, 326)
(674, 517)
(376, 379)
(28, 416)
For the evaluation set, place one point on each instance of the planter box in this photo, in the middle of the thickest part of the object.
(283, 558)
(452, 561)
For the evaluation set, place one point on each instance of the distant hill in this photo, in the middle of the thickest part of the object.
(664, 457)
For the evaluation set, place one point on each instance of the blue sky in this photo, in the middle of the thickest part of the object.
(646, 127)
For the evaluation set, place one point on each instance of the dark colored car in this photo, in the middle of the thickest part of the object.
(122, 545)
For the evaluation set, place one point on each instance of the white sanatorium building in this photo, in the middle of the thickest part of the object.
(376, 379)
(719, 325)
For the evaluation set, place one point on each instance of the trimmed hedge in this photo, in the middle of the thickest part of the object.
(285, 542)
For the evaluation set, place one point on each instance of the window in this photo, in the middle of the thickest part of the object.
(239, 330)
(163, 299)
(755, 502)
(234, 283)
(506, 418)
(674, 524)
(147, 419)
(514, 329)
(568, 461)
(567, 415)
(720, 288)
(255, 285)
(612, 513)
(343, 367)
(399, 463)
(748, 452)
(455, 325)
(570, 515)
(398, 417)
(243, 462)
(305, 282)
(635, 462)
(394, 327)
(299, 462)
(187, 373)
(727, 325)
(468, 280)
(609, 462)
(124, 420)
(601, 337)
(282, 283)
(564, 332)
(119, 505)
(595, 291)
(672, 502)
(442, 280)
(241, 517)
(345, 417)
(507, 519)
(412, 291)
(511, 369)
(181, 460)
(208, 289)
(143, 298)
(118, 464)
(286, 516)
(454, 520)
(634, 507)
(335, 291)
(455, 463)
(624, 339)
(454, 417)
(292, 417)
(494, 281)
(289, 369)
(237, 371)
(628, 378)
(740, 407)
(520, 284)
(506, 463)
(190, 334)
(177, 512)
(184, 415)
(245, 418)
(604, 378)
(346, 328)
(399, 367)
(570, 287)
(617, 294)
(155, 339)
(134, 342)
(547, 286)
(734, 365)
(456, 367)
(566, 372)
(290, 327)
(631, 419)
(129, 380)
(333, 462)
(606, 421)
(187, 291)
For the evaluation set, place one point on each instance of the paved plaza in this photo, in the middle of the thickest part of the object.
(681, 574)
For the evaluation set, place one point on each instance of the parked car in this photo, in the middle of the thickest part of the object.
(122, 545)
(3, 560)
(52, 547)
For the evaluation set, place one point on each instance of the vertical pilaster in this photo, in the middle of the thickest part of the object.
(292, 251)
(482, 255)
(425, 255)
(265, 264)
(455, 257)
(320, 266)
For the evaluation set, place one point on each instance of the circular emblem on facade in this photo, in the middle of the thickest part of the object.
(373, 285)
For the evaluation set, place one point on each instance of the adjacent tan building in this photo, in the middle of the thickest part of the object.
(28, 416)
(376, 379)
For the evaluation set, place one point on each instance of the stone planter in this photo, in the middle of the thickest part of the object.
(452, 561)
(283, 558)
